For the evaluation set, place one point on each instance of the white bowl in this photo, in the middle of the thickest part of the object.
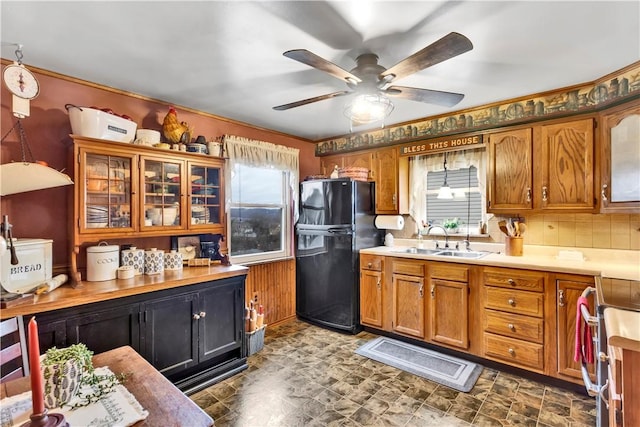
(147, 137)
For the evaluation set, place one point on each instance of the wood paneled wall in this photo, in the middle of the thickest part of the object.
(275, 284)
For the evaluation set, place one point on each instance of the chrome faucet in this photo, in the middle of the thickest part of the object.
(446, 235)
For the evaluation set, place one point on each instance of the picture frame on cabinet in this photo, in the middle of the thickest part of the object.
(188, 246)
(195, 245)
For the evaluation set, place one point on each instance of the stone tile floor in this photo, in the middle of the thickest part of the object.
(309, 376)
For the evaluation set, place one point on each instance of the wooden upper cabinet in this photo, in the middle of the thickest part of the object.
(620, 160)
(547, 167)
(566, 162)
(511, 170)
(328, 163)
(385, 174)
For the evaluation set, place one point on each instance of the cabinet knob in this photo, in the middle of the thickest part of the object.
(433, 291)
(512, 302)
(512, 352)
(369, 265)
(511, 326)
(202, 313)
(561, 298)
(196, 316)
(603, 193)
(545, 193)
(421, 291)
(529, 195)
(511, 282)
(378, 284)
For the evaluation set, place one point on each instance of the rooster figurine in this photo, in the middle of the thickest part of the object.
(174, 131)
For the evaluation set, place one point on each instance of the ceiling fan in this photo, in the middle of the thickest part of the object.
(370, 78)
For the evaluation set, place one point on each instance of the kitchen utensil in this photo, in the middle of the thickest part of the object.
(522, 227)
(503, 227)
(511, 232)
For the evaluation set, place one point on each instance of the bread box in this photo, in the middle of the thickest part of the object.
(34, 265)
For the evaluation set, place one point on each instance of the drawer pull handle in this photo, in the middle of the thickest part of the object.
(511, 282)
(202, 313)
(512, 302)
(196, 316)
(369, 265)
(512, 352)
(511, 326)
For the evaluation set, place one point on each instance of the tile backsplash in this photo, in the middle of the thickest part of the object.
(601, 231)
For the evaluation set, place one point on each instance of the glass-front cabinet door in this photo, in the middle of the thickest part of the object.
(106, 196)
(205, 195)
(162, 202)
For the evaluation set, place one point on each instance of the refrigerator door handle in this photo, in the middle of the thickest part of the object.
(339, 231)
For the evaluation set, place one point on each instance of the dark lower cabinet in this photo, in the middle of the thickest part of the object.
(219, 328)
(193, 334)
(106, 329)
(170, 333)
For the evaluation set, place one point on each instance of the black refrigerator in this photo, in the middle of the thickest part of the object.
(336, 221)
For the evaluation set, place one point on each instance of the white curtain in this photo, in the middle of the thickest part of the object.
(419, 166)
(251, 152)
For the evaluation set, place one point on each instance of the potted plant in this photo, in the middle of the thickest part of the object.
(65, 370)
(451, 225)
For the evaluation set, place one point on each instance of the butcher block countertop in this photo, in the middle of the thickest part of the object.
(623, 328)
(609, 263)
(89, 292)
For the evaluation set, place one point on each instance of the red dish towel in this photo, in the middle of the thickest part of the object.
(584, 340)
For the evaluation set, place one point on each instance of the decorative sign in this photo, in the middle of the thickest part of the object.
(448, 144)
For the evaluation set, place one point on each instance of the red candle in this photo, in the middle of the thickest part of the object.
(37, 389)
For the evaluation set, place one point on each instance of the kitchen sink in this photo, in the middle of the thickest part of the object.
(445, 253)
(462, 254)
(421, 251)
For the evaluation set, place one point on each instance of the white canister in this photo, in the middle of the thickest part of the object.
(134, 257)
(126, 272)
(153, 261)
(102, 262)
(173, 260)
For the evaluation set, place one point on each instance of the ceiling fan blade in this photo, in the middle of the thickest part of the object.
(447, 99)
(313, 60)
(451, 45)
(310, 100)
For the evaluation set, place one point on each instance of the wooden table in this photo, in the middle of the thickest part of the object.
(167, 405)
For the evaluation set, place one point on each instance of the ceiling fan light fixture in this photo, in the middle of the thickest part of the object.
(368, 108)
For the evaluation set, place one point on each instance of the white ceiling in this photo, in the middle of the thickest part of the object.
(225, 57)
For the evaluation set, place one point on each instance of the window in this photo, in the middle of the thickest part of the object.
(466, 176)
(262, 193)
(258, 213)
(466, 204)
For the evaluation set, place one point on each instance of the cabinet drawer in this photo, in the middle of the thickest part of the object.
(514, 351)
(371, 262)
(529, 303)
(514, 325)
(449, 272)
(407, 267)
(514, 279)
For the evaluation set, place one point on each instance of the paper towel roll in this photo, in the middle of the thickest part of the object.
(389, 222)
